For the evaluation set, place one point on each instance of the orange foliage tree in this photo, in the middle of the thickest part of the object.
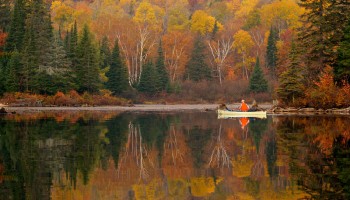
(326, 94)
(2, 40)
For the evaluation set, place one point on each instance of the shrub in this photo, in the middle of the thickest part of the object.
(60, 99)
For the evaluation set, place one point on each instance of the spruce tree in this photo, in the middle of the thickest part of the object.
(117, 74)
(5, 15)
(13, 77)
(197, 68)
(2, 79)
(257, 82)
(37, 41)
(321, 33)
(73, 45)
(163, 77)
(55, 72)
(271, 52)
(342, 66)
(105, 53)
(17, 27)
(148, 80)
(87, 69)
(291, 86)
(67, 42)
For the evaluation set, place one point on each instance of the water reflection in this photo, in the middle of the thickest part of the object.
(172, 156)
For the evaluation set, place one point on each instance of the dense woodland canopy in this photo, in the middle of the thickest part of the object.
(200, 49)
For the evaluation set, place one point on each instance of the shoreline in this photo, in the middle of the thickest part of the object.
(136, 107)
(177, 108)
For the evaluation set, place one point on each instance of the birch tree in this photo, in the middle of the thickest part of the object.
(219, 51)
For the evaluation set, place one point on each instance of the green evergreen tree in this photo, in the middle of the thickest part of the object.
(117, 74)
(271, 52)
(17, 27)
(291, 81)
(257, 82)
(5, 15)
(342, 66)
(324, 23)
(73, 45)
(37, 41)
(271, 157)
(87, 69)
(2, 78)
(13, 78)
(215, 30)
(105, 53)
(67, 42)
(197, 68)
(149, 79)
(163, 77)
(55, 72)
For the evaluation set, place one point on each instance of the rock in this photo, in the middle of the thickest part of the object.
(277, 109)
(307, 110)
(320, 110)
(291, 109)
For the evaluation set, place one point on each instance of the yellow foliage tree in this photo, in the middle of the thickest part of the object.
(148, 15)
(178, 18)
(177, 188)
(62, 14)
(203, 23)
(203, 186)
(148, 191)
(283, 14)
(243, 44)
(241, 166)
(245, 8)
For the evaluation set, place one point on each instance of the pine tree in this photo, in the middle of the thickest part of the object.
(17, 27)
(271, 52)
(13, 78)
(87, 69)
(342, 66)
(117, 74)
(5, 15)
(196, 68)
(148, 80)
(291, 86)
(257, 82)
(163, 77)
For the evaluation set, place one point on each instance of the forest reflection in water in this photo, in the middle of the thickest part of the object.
(186, 155)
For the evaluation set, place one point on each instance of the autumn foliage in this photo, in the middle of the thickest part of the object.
(71, 98)
(326, 94)
(2, 40)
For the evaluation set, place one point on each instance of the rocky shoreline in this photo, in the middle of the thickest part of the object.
(309, 110)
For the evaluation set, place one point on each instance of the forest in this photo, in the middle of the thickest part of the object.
(185, 51)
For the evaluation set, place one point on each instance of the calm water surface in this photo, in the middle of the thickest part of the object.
(191, 155)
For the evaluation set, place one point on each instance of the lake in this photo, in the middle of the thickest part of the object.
(173, 155)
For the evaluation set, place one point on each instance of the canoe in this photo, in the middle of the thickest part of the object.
(227, 114)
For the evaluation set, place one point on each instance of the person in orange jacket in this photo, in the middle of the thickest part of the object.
(244, 107)
(244, 121)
